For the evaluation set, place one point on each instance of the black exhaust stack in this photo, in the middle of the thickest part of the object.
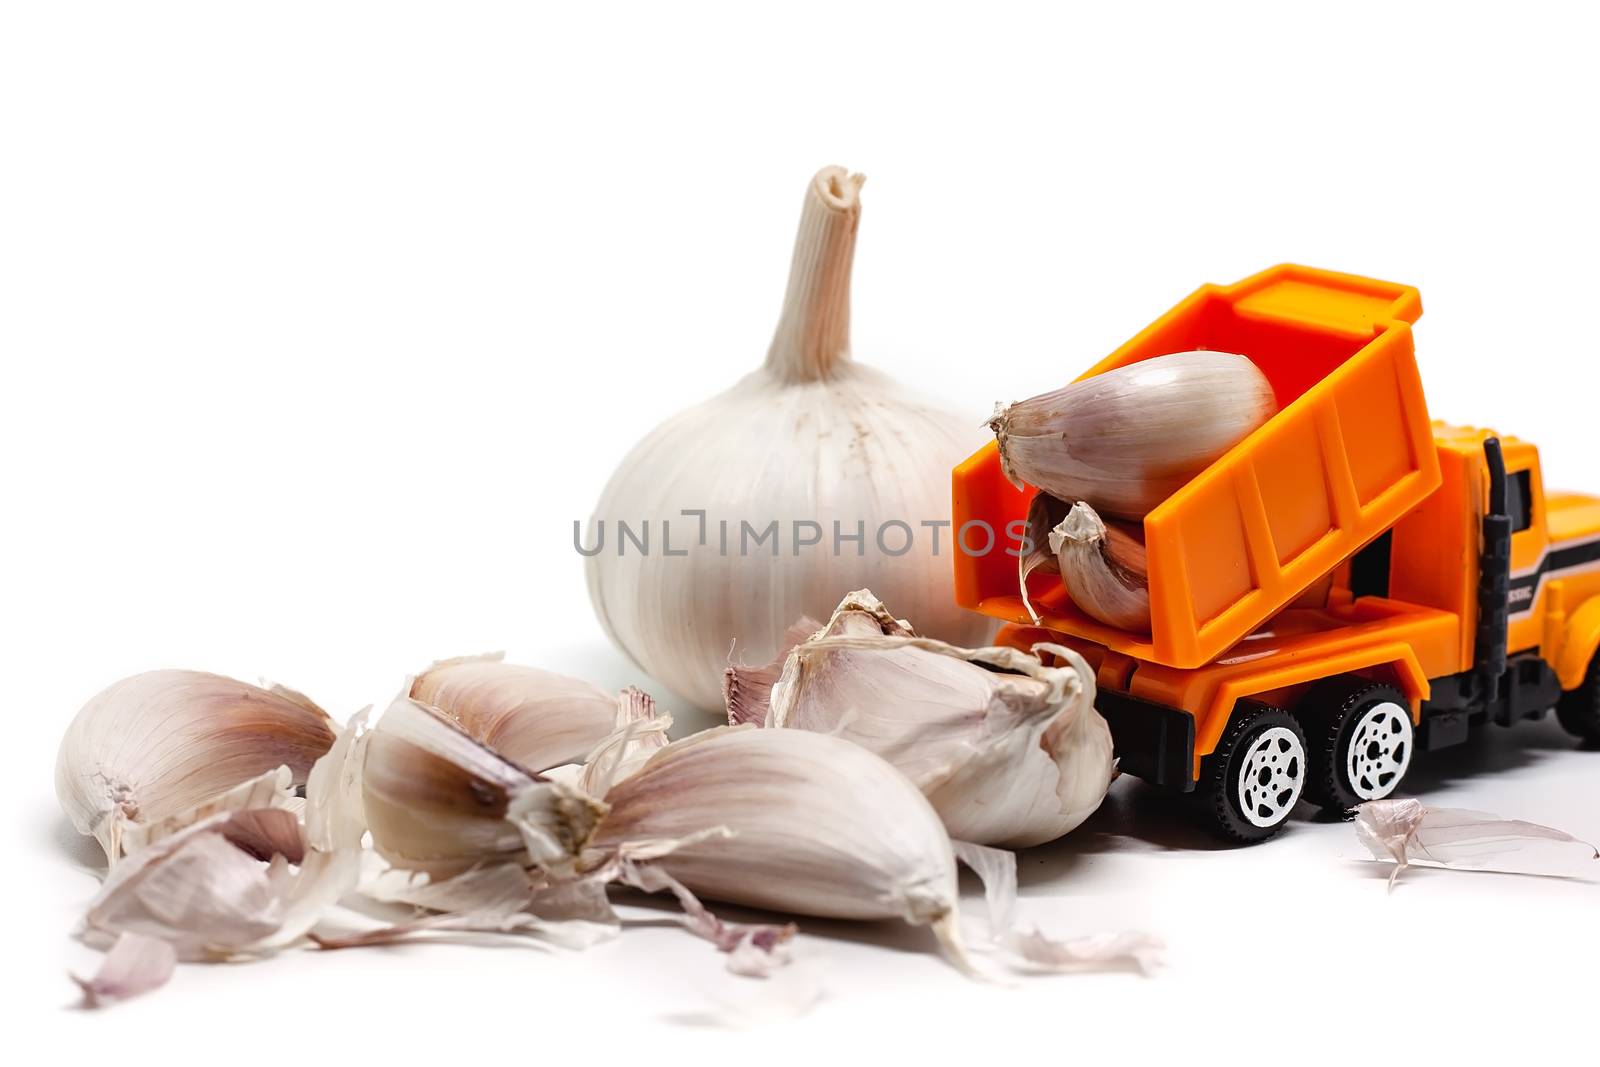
(1494, 578)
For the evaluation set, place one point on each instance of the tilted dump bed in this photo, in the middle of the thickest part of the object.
(1348, 453)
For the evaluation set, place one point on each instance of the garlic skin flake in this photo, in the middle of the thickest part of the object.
(152, 748)
(235, 884)
(1104, 568)
(1128, 950)
(1009, 751)
(1404, 831)
(810, 437)
(1127, 439)
(819, 826)
(437, 801)
(640, 732)
(135, 964)
(1044, 514)
(537, 719)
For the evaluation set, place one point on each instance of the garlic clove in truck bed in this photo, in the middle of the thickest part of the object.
(1127, 439)
(1103, 566)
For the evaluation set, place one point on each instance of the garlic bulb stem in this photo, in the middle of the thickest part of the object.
(813, 331)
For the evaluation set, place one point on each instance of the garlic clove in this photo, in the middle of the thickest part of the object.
(1130, 437)
(149, 750)
(535, 718)
(1008, 750)
(274, 789)
(435, 800)
(1103, 567)
(1044, 513)
(819, 827)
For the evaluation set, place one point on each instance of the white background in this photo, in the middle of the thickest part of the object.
(321, 323)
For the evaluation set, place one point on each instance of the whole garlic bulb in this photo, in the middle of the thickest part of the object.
(812, 437)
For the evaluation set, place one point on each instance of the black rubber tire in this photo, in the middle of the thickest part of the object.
(1329, 711)
(1218, 788)
(1579, 709)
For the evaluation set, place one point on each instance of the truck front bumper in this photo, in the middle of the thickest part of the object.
(1152, 741)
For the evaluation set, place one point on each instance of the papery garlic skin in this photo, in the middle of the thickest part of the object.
(811, 437)
(537, 719)
(157, 745)
(1103, 568)
(439, 802)
(640, 733)
(1045, 512)
(234, 884)
(135, 964)
(1127, 439)
(1009, 751)
(819, 826)
(1406, 831)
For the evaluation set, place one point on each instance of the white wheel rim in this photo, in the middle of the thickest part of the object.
(1379, 750)
(1272, 776)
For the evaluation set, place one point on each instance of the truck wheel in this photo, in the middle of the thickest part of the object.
(1579, 710)
(1361, 741)
(1253, 780)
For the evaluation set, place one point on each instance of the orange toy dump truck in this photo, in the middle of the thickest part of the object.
(1349, 584)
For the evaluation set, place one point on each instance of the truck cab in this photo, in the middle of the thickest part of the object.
(1350, 586)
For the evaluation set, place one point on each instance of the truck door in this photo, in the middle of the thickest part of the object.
(1530, 543)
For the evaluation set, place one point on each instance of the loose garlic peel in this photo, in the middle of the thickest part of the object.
(437, 801)
(639, 732)
(1104, 568)
(486, 882)
(235, 884)
(1044, 514)
(537, 719)
(1127, 439)
(1008, 751)
(146, 752)
(819, 826)
(1035, 951)
(1405, 831)
(811, 436)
